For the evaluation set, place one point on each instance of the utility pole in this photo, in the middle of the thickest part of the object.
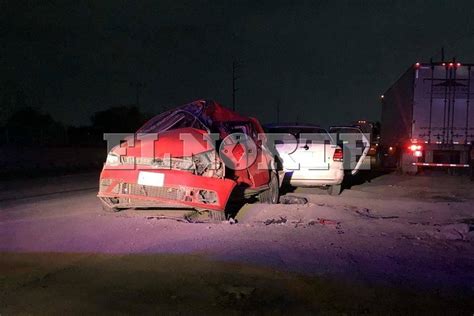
(138, 86)
(235, 66)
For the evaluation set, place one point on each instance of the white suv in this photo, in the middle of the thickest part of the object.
(309, 156)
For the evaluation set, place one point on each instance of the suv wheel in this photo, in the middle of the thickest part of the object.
(334, 189)
(217, 216)
(272, 194)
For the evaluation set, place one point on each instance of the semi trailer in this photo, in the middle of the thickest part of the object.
(372, 131)
(428, 117)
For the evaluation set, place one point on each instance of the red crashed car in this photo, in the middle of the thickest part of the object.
(193, 156)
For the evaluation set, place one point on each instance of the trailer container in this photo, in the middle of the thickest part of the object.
(427, 117)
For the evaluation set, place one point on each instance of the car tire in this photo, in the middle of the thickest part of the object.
(272, 194)
(334, 189)
(217, 216)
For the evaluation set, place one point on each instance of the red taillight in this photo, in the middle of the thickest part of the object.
(416, 150)
(338, 155)
(414, 147)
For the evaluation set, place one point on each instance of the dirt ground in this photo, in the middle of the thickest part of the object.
(396, 244)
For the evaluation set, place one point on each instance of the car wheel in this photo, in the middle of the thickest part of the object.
(334, 189)
(272, 194)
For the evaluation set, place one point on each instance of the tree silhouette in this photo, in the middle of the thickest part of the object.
(118, 119)
(29, 125)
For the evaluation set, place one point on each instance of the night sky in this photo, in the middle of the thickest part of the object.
(326, 62)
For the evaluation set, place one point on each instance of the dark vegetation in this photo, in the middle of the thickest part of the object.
(24, 123)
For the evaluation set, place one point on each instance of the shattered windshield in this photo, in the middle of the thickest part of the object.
(172, 120)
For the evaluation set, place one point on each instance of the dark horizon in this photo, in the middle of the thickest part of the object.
(325, 63)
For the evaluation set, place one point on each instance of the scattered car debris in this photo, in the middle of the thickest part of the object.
(292, 199)
(298, 223)
(366, 213)
(421, 223)
(281, 220)
(328, 223)
(178, 219)
(324, 221)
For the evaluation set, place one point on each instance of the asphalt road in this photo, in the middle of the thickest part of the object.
(409, 234)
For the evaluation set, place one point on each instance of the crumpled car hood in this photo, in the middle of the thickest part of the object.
(176, 143)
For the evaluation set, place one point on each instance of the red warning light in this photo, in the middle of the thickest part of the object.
(451, 64)
(444, 64)
(417, 65)
(458, 65)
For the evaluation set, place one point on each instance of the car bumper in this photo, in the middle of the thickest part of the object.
(178, 189)
(302, 177)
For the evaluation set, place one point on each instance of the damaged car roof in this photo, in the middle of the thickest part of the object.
(200, 114)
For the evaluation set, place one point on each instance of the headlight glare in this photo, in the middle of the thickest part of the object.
(112, 160)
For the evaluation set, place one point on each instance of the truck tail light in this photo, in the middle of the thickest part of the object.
(416, 150)
(415, 147)
(338, 155)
